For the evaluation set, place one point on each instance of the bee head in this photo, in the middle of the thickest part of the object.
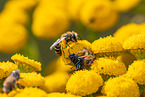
(16, 74)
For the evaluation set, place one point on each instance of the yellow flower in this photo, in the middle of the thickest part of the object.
(14, 92)
(83, 83)
(55, 66)
(108, 66)
(61, 66)
(26, 64)
(136, 71)
(3, 95)
(12, 37)
(55, 82)
(126, 31)
(21, 4)
(98, 15)
(74, 8)
(31, 79)
(135, 42)
(31, 92)
(126, 58)
(7, 68)
(107, 46)
(47, 29)
(121, 87)
(8, 16)
(73, 48)
(136, 45)
(125, 5)
(57, 94)
(55, 4)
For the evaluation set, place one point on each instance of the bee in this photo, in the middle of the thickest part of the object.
(68, 37)
(11, 81)
(83, 61)
(58, 49)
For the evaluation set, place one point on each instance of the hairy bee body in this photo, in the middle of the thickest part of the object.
(84, 60)
(11, 81)
(68, 37)
(78, 62)
(58, 49)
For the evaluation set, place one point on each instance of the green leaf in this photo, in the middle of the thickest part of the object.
(141, 88)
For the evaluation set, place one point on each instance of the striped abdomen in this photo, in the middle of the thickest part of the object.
(58, 50)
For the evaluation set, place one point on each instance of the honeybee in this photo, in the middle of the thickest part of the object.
(68, 36)
(11, 81)
(83, 61)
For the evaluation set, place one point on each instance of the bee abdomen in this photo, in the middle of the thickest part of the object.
(58, 50)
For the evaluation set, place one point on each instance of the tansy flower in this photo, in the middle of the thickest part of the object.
(108, 66)
(73, 47)
(14, 92)
(61, 66)
(25, 64)
(107, 46)
(47, 29)
(83, 83)
(136, 45)
(54, 4)
(126, 31)
(21, 4)
(12, 37)
(56, 66)
(55, 82)
(126, 58)
(57, 94)
(121, 87)
(8, 16)
(125, 5)
(7, 68)
(31, 79)
(74, 8)
(98, 15)
(136, 71)
(3, 95)
(31, 92)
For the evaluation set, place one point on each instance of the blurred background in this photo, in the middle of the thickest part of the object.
(30, 27)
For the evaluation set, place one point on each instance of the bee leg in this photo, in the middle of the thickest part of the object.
(90, 62)
(78, 66)
(19, 86)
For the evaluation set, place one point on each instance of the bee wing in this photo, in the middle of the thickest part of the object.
(54, 44)
(57, 42)
(62, 39)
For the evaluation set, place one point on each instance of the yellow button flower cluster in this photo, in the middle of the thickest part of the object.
(136, 71)
(84, 83)
(107, 46)
(6, 68)
(55, 82)
(31, 79)
(108, 66)
(57, 94)
(121, 87)
(50, 19)
(26, 64)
